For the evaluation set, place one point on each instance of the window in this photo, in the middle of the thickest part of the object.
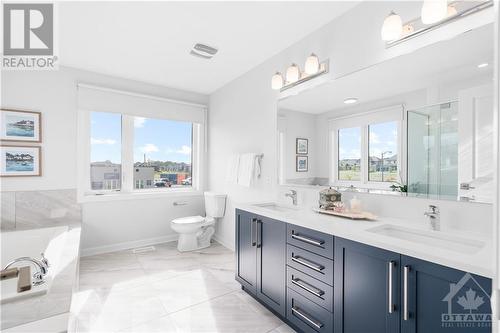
(366, 148)
(382, 152)
(162, 153)
(105, 151)
(349, 154)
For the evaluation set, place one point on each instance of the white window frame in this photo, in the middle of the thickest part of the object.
(363, 121)
(127, 191)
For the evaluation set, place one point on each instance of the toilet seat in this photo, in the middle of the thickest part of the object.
(196, 219)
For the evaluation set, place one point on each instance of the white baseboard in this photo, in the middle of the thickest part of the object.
(127, 245)
(224, 243)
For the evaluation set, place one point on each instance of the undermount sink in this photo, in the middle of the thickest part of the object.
(276, 207)
(432, 238)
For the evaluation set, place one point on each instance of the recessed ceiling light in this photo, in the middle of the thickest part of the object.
(203, 51)
(484, 64)
(350, 100)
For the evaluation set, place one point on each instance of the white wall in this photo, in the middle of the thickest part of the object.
(242, 114)
(105, 224)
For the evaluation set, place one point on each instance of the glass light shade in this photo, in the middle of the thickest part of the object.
(312, 64)
(292, 73)
(392, 27)
(277, 81)
(434, 11)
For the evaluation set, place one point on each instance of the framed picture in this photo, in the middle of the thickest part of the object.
(302, 146)
(20, 161)
(19, 125)
(302, 164)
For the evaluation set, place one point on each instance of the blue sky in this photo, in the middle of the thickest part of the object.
(162, 140)
(383, 137)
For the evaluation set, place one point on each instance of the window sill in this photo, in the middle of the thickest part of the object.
(137, 195)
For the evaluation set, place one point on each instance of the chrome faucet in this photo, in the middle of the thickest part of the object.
(292, 194)
(42, 264)
(434, 217)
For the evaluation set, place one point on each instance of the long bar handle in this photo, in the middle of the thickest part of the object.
(406, 270)
(307, 287)
(389, 291)
(308, 240)
(253, 228)
(315, 323)
(307, 263)
(259, 233)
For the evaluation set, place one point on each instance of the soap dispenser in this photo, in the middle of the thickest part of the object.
(355, 204)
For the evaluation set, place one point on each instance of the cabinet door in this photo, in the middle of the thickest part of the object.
(438, 299)
(271, 269)
(366, 289)
(246, 258)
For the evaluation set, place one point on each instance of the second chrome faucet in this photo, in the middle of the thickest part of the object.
(434, 217)
(292, 194)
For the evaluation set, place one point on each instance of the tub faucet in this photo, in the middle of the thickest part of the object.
(292, 194)
(434, 217)
(41, 264)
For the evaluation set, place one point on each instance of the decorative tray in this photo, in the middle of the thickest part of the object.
(348, 215)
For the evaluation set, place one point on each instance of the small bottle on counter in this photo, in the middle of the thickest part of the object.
(355, 205)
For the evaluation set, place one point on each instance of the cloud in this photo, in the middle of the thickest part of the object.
(139, 122)
(95, 141)
(374, 137)
(149, 148)
(184, 150)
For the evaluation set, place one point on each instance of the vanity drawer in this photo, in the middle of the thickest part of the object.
(306, 315)
(312, 264)
(317, 291)
(310, 240)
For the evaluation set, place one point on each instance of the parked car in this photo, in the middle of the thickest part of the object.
(163, 183)
(186, 181)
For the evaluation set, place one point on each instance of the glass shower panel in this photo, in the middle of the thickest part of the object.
(433, 151)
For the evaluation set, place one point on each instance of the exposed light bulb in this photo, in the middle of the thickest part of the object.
(434, 11)
(292, 73)
(312, 64)
(452, 11)
(408, 29)
(277, 81)
(392, 27)
(351, 100)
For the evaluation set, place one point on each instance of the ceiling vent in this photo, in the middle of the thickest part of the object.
(203, 51)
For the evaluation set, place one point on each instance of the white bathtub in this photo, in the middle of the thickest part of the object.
(31, 243)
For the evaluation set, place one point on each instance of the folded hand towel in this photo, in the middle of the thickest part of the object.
(232, 169)
(246, 170)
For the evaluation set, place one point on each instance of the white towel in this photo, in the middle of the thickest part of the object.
(233, 165)
(247, 169)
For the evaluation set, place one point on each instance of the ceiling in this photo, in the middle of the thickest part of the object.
(150, 41)
(443, 62)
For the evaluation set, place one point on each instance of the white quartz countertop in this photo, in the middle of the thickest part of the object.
(479, 263)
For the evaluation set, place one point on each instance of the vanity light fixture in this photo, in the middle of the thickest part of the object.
(294, 76)
(434, 14)
(292, 73)
(434, 11)
(277, 81)
(350, 100)
(312, 64)
(483, 65)
(392, 27)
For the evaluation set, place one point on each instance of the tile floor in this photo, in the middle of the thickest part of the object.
(166, 291)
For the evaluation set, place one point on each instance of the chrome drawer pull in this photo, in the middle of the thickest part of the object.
(307, 263)
(308, 240)
(405, 292)
(389, 296)
(308, 287)
(315, 323)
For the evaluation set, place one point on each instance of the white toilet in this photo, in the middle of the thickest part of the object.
(195, 232)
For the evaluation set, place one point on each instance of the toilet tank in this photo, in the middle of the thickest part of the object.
(215, 204)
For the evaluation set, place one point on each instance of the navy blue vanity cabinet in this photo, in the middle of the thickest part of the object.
(246, 257)
(439, 299)
(260, 258)
(366, 289)
(271, 266)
